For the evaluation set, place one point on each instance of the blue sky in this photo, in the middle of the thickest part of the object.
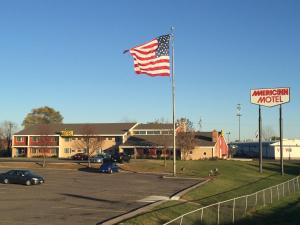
(68, 55)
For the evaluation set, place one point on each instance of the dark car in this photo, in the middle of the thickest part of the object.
(97, 159)
(109, 167)
(80, 156)
(21, 177)
(121, 157)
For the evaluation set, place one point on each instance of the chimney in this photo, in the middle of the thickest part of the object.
(214, 135)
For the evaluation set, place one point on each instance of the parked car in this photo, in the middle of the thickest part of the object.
(21, 177)
(121, 157)
(97, 159)
(80, 156)
(109, 167)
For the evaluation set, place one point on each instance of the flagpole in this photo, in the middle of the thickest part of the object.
(173, 103)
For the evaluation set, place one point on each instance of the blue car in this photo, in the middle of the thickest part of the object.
(109, 167)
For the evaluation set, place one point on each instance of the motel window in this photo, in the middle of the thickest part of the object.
(67, 150)
(153, 132)
(19, 139)
(139, 132)
(33, 151)
(53, 151)
(67, 139)
(35, 139)
(165, 132)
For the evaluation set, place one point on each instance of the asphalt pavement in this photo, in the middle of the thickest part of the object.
(81, 197)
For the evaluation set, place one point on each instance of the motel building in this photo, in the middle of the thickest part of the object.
(156, 141)
(64, 140)
(270, 149)
(151, 140)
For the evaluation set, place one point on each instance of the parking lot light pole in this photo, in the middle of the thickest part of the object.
(239, 116)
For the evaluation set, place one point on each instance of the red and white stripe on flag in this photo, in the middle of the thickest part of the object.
(148, 61)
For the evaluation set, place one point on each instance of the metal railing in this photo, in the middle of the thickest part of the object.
(232, 210)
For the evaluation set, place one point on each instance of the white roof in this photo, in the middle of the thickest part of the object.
(288, 142)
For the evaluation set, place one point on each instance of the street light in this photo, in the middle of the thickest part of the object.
(238, 114)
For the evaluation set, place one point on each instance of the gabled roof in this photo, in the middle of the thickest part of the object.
(79, 129)
(154, 126)
(149, 140)
(203, 139)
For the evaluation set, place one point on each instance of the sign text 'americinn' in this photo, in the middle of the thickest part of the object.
(270, 96)
(66, 133)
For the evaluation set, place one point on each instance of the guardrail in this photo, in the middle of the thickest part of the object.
(231, 210)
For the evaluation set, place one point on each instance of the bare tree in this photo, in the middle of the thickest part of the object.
(7, 129)
(89, 141)
(267, 133)
(186, 142)
(185, 124)
(2, 140)
(45, 141)
(160, 120)
(185, 136)
(164, 141)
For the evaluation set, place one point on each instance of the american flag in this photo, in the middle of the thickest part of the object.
(152, 58)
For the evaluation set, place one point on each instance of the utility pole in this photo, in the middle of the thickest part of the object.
(238, 114)
(200, 124)
(228, 133)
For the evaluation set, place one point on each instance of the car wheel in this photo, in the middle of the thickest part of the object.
(28, 182)
(5, 181)
(110, 171)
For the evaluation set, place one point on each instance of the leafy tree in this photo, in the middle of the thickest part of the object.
(42, 115)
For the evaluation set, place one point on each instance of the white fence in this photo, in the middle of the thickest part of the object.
(231, 210)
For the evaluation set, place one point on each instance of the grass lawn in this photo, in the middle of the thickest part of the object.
(285, 212)
(236, 178)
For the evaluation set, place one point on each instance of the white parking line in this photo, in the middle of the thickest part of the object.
(89, 209)
(154, 198)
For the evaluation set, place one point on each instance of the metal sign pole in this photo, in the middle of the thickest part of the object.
(260, 142)
(281, 150)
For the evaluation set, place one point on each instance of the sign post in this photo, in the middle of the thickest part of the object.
(259, 138)
(280, 131)
(270, 97)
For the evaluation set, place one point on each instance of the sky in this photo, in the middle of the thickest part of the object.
(67, 54)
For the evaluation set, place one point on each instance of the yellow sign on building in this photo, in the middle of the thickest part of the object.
(67, 133)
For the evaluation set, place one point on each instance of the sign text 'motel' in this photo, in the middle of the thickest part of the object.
(270, 96)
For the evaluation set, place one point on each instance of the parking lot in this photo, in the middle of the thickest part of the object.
(80, 197)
